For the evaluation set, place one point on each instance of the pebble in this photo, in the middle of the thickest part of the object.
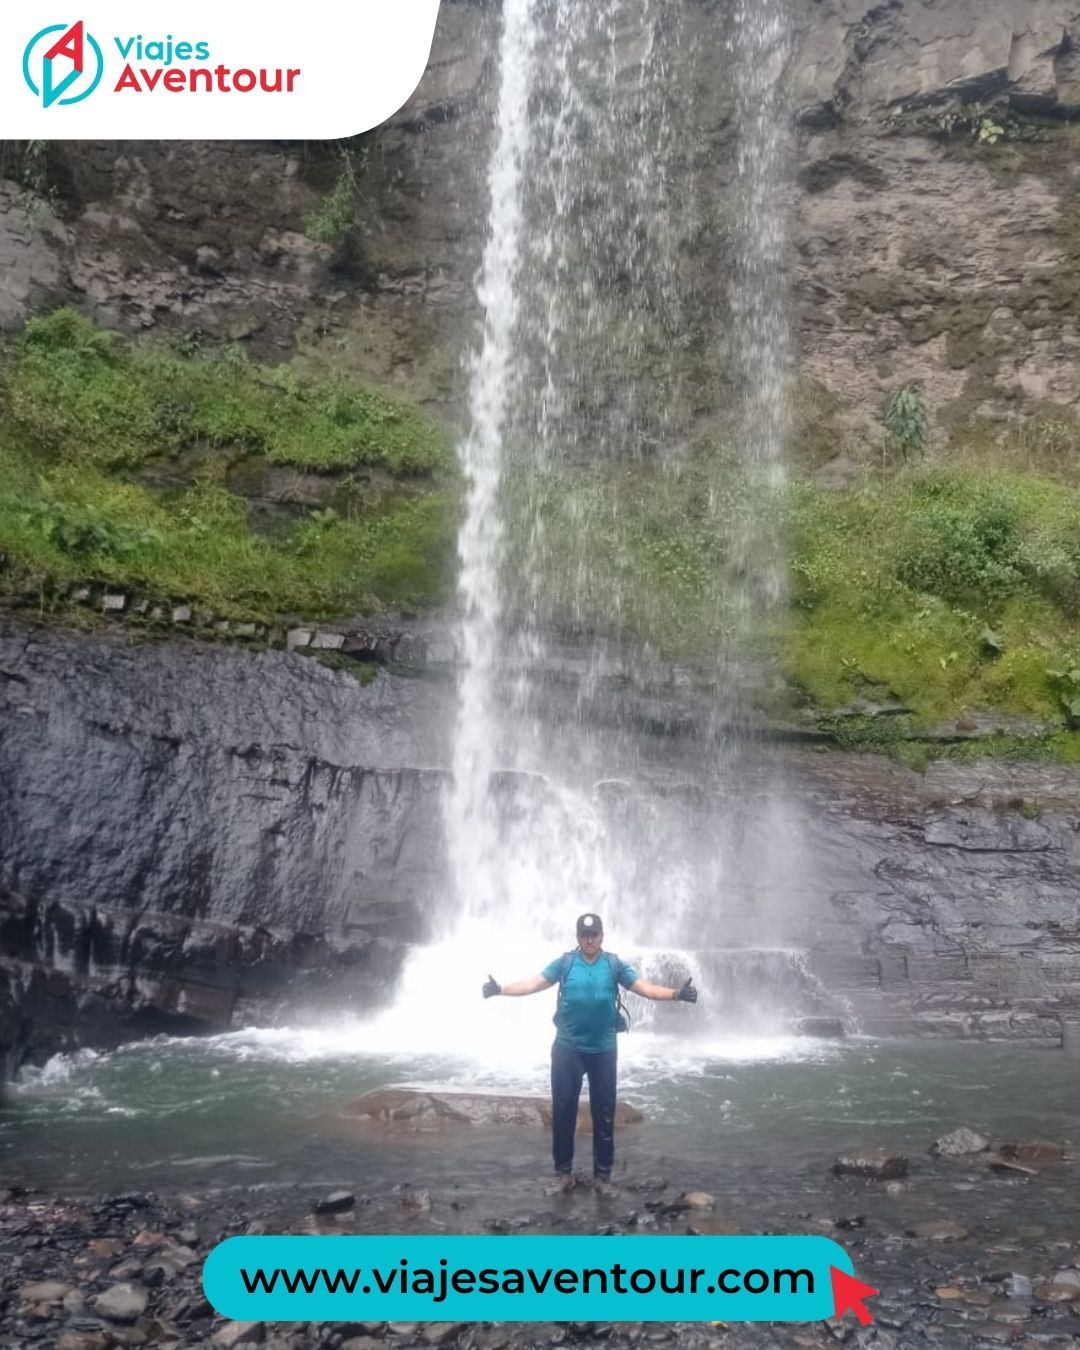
(878, 1164)
(938, 1230)
(121, 1303)
(234, 1333)
(337, 1202)
(44, 1291)
(693, 1200)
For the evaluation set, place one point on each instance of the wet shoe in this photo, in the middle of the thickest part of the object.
(604, 1188)
(562, 1185)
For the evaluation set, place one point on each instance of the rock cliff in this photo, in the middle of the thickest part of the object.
(189, 834)
(193, 837)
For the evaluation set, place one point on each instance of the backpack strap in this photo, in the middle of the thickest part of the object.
(564, 971)
(620, 1007)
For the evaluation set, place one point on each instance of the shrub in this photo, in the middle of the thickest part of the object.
(907, 419)
(83, 394)
(960, 542)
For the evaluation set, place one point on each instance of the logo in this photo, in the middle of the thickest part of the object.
(62, 65)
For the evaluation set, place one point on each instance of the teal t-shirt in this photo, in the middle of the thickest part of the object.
(587, 1010)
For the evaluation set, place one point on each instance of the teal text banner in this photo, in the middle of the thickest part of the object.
(526, 1279)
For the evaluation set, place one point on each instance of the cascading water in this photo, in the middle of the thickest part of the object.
(580, 295)
(761, 48)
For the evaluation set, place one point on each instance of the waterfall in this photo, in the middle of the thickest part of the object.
(553, 809)
(761, 48)
(471, 830)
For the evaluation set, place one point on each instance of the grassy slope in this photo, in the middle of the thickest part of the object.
(81, 412)
(953, 587)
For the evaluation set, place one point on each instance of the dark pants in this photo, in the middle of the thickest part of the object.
(568, 1067)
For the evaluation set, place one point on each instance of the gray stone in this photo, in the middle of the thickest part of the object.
(939, 1230)
(74, 1303)
(81, 595)
(44, 1291)
(1016, 1286)
(181, 614)
(337, 1202)
(127, 1269)
(418, 1201)
(82, 1340)
(122, 1302)
(330, 642)
(112, 600)
(1033, 1151)
(958, 1143)
(297, 637)
(417, 1111)
(245, 630)
(1007, 1168)
(236, 1333)
(693, 1200)
(878, 1164)
(440, 1333)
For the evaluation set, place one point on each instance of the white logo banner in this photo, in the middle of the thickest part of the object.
(199, 71)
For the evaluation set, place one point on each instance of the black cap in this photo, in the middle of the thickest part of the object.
(589, 925)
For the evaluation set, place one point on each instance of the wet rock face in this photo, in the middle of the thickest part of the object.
(187, 832)
(192, 835)
(919, 251)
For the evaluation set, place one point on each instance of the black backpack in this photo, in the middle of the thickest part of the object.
(622, 1018)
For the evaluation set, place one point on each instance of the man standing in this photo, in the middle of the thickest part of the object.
(586, 1019)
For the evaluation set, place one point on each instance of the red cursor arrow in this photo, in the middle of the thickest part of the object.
(848, 1292)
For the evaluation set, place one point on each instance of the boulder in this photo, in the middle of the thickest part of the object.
(416, 1111)
(959, 1143)
(877, 1164)
(122, 1302)
(1033, 1151)
(1009, 1168)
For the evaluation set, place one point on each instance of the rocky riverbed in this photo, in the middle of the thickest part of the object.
(971, 1242)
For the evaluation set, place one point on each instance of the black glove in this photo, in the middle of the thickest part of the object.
(687, 994)
(493, 987)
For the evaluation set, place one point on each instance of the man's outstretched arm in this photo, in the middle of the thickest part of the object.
(660, 993)
(535, 984)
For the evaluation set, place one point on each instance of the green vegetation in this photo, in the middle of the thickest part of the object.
(950, 590)
(73, 391)
(337, 219)
(907, 420)
(938, 585)
(944, 591)
(83, 414)
(625, 550)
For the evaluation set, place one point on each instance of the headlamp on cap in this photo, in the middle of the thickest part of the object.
(590, 925)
